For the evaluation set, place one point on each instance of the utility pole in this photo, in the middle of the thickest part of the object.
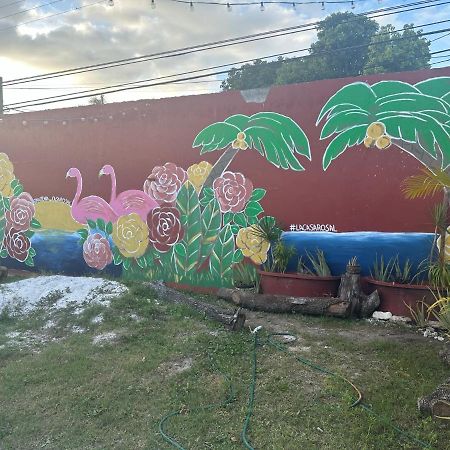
(1, 96)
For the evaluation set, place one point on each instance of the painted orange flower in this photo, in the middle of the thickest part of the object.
(252, 244)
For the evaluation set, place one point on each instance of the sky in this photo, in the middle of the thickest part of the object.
(100, 33)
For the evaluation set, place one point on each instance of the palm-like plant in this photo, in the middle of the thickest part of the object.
(414, 118)
(276, 137)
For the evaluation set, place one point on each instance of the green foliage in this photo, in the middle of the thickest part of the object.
(420, 314)
(189, 207)
(251, 76)
(318, 263)
(211, 223)
(382, 271)
(397, 51)
(392, 271)
(245, 275)
(281, 255)
(222, 256)
(277, 137)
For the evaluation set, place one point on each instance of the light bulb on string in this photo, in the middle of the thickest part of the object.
(191, 6)
(153, 4)
(353, 4)
(262, 8)
(293, 5)
(229, 8)
(323, 6)
(110, 2)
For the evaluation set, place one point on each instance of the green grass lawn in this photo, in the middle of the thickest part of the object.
(59, 390)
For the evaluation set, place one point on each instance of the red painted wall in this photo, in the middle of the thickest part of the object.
(360, 190)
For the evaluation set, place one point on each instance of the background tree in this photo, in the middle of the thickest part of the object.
(397, 51)
(252, 76)
(329, 56)
(97, 100)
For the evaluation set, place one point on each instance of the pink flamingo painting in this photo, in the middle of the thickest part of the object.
(91, 207)
(127, 202)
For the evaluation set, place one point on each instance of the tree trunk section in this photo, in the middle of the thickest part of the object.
(350, 302)
(220, 166)
(234, 320)
(420, 154)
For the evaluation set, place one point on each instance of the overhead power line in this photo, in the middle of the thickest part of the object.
(12, 3)
(224, 43)
(31, 9)
(75, 8)
(131, 86)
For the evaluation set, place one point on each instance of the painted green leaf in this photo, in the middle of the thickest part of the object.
(3, 253)
(411, 102)
(6, 203)
(235, 229)
(35, 223)
(92, 225)
(2, 229)
(2, 206)
(217, 136)
(117, 256)
(29, 261)
(238, 256)
(343, 121)
(355, 95)
(240, 219)
(141, 262)
(221, 260)
(29, 234)
(211, 223)
(258, 194)
(436, 87)
(341, 142)
(268, 221)
(180, 249)
(208, 195)
(238, 120)
(227, 217)
(109, 228)
(32, 251)
(14, 183)
(83, 233)
(189, 206)
(18, 189)
(253, 209)
(101, 225)
(252, 220)
(391, 87)
(126, 263)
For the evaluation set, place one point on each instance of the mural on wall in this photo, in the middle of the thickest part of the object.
(190, 226)
(17, 221)
(194, 225)
(414, 118)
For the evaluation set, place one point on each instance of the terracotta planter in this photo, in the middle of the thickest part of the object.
(393, 296)
(298, 285)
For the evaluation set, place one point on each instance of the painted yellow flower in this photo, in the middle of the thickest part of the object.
(198, 173)
(6, 175)
(447, 244)
(252, 244)
(130, 234)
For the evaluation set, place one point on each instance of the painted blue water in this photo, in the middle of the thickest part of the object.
(60, 252)
(339, 248)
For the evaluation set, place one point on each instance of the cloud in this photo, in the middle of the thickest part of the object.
(100, 33)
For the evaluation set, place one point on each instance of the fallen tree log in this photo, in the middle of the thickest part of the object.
(350, 302)
(234, 320)
(437, 404)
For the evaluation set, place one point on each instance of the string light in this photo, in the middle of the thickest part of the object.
(353, 4)
(229, 8)
(262, 8)
(110, 2)
(192, 6)
(153, 4)
(293, 5)
(323, 6)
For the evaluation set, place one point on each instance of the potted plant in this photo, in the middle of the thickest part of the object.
(399, 289)
(312, 279)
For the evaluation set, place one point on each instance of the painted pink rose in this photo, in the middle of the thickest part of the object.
(164, 183)
(97, 251)
(21, 213)
(233, 191)
(165, 227)
(16, 244)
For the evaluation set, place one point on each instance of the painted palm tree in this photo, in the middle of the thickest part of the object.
(414, 118)
(276, 137)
